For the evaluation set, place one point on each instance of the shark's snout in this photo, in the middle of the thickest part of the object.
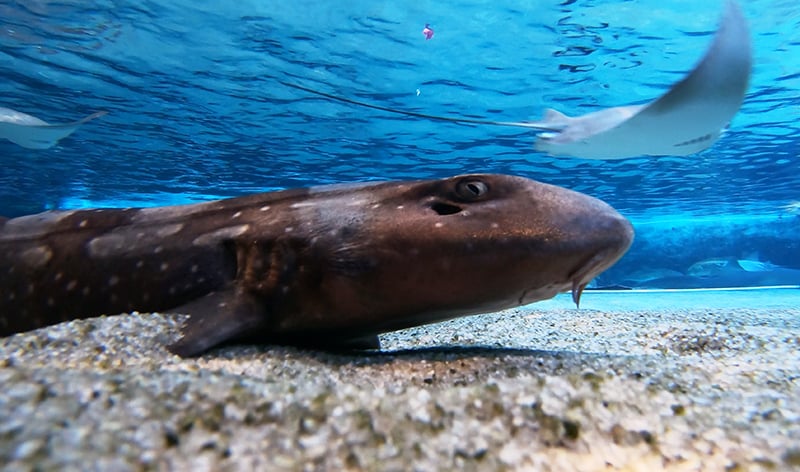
(577, 238)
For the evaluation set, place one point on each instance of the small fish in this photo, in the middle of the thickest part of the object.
(32, 133)
(326, 266)
(427, 31)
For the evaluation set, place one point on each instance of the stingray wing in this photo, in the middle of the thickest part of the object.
(33, 133)
(687, 119)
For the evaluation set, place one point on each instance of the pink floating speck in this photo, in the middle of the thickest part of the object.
(427, 31)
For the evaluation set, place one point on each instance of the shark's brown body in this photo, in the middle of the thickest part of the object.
(325, 266)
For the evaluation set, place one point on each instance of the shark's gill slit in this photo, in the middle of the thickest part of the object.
(445, 208)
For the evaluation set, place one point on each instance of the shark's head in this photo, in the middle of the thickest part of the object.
(431, 250)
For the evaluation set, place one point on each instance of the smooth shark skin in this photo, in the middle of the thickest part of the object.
(32, 133)
(323, 267)
(687, 119)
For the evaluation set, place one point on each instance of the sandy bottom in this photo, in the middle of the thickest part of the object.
(675, 381)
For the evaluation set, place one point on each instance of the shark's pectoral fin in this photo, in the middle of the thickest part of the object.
(217, 318)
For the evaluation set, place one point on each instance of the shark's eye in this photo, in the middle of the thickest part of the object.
(471, 190)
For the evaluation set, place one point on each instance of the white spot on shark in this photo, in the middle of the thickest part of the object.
(107, 245)
(113, 280)
(37, 256)
(236, 215)
(169, 230)
(216, 236)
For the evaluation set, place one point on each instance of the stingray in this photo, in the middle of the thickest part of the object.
(687, 119)
(32, 133)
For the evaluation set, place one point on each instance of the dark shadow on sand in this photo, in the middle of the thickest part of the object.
(444, 353)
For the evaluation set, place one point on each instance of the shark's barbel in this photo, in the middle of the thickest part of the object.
(324, 266)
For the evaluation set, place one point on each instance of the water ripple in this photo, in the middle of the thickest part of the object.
(197, 109)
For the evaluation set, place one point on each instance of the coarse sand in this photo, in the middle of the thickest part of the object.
(631, 381)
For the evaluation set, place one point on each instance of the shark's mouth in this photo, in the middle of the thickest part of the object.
(575, 281)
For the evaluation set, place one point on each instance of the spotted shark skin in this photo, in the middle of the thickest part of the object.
(324, 266)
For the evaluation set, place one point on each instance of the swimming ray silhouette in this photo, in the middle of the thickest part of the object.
(32, 133)
(687, 119)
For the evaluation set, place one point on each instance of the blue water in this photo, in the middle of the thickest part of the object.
(196, 110)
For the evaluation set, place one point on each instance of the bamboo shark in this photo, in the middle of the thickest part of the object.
(329, 266)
